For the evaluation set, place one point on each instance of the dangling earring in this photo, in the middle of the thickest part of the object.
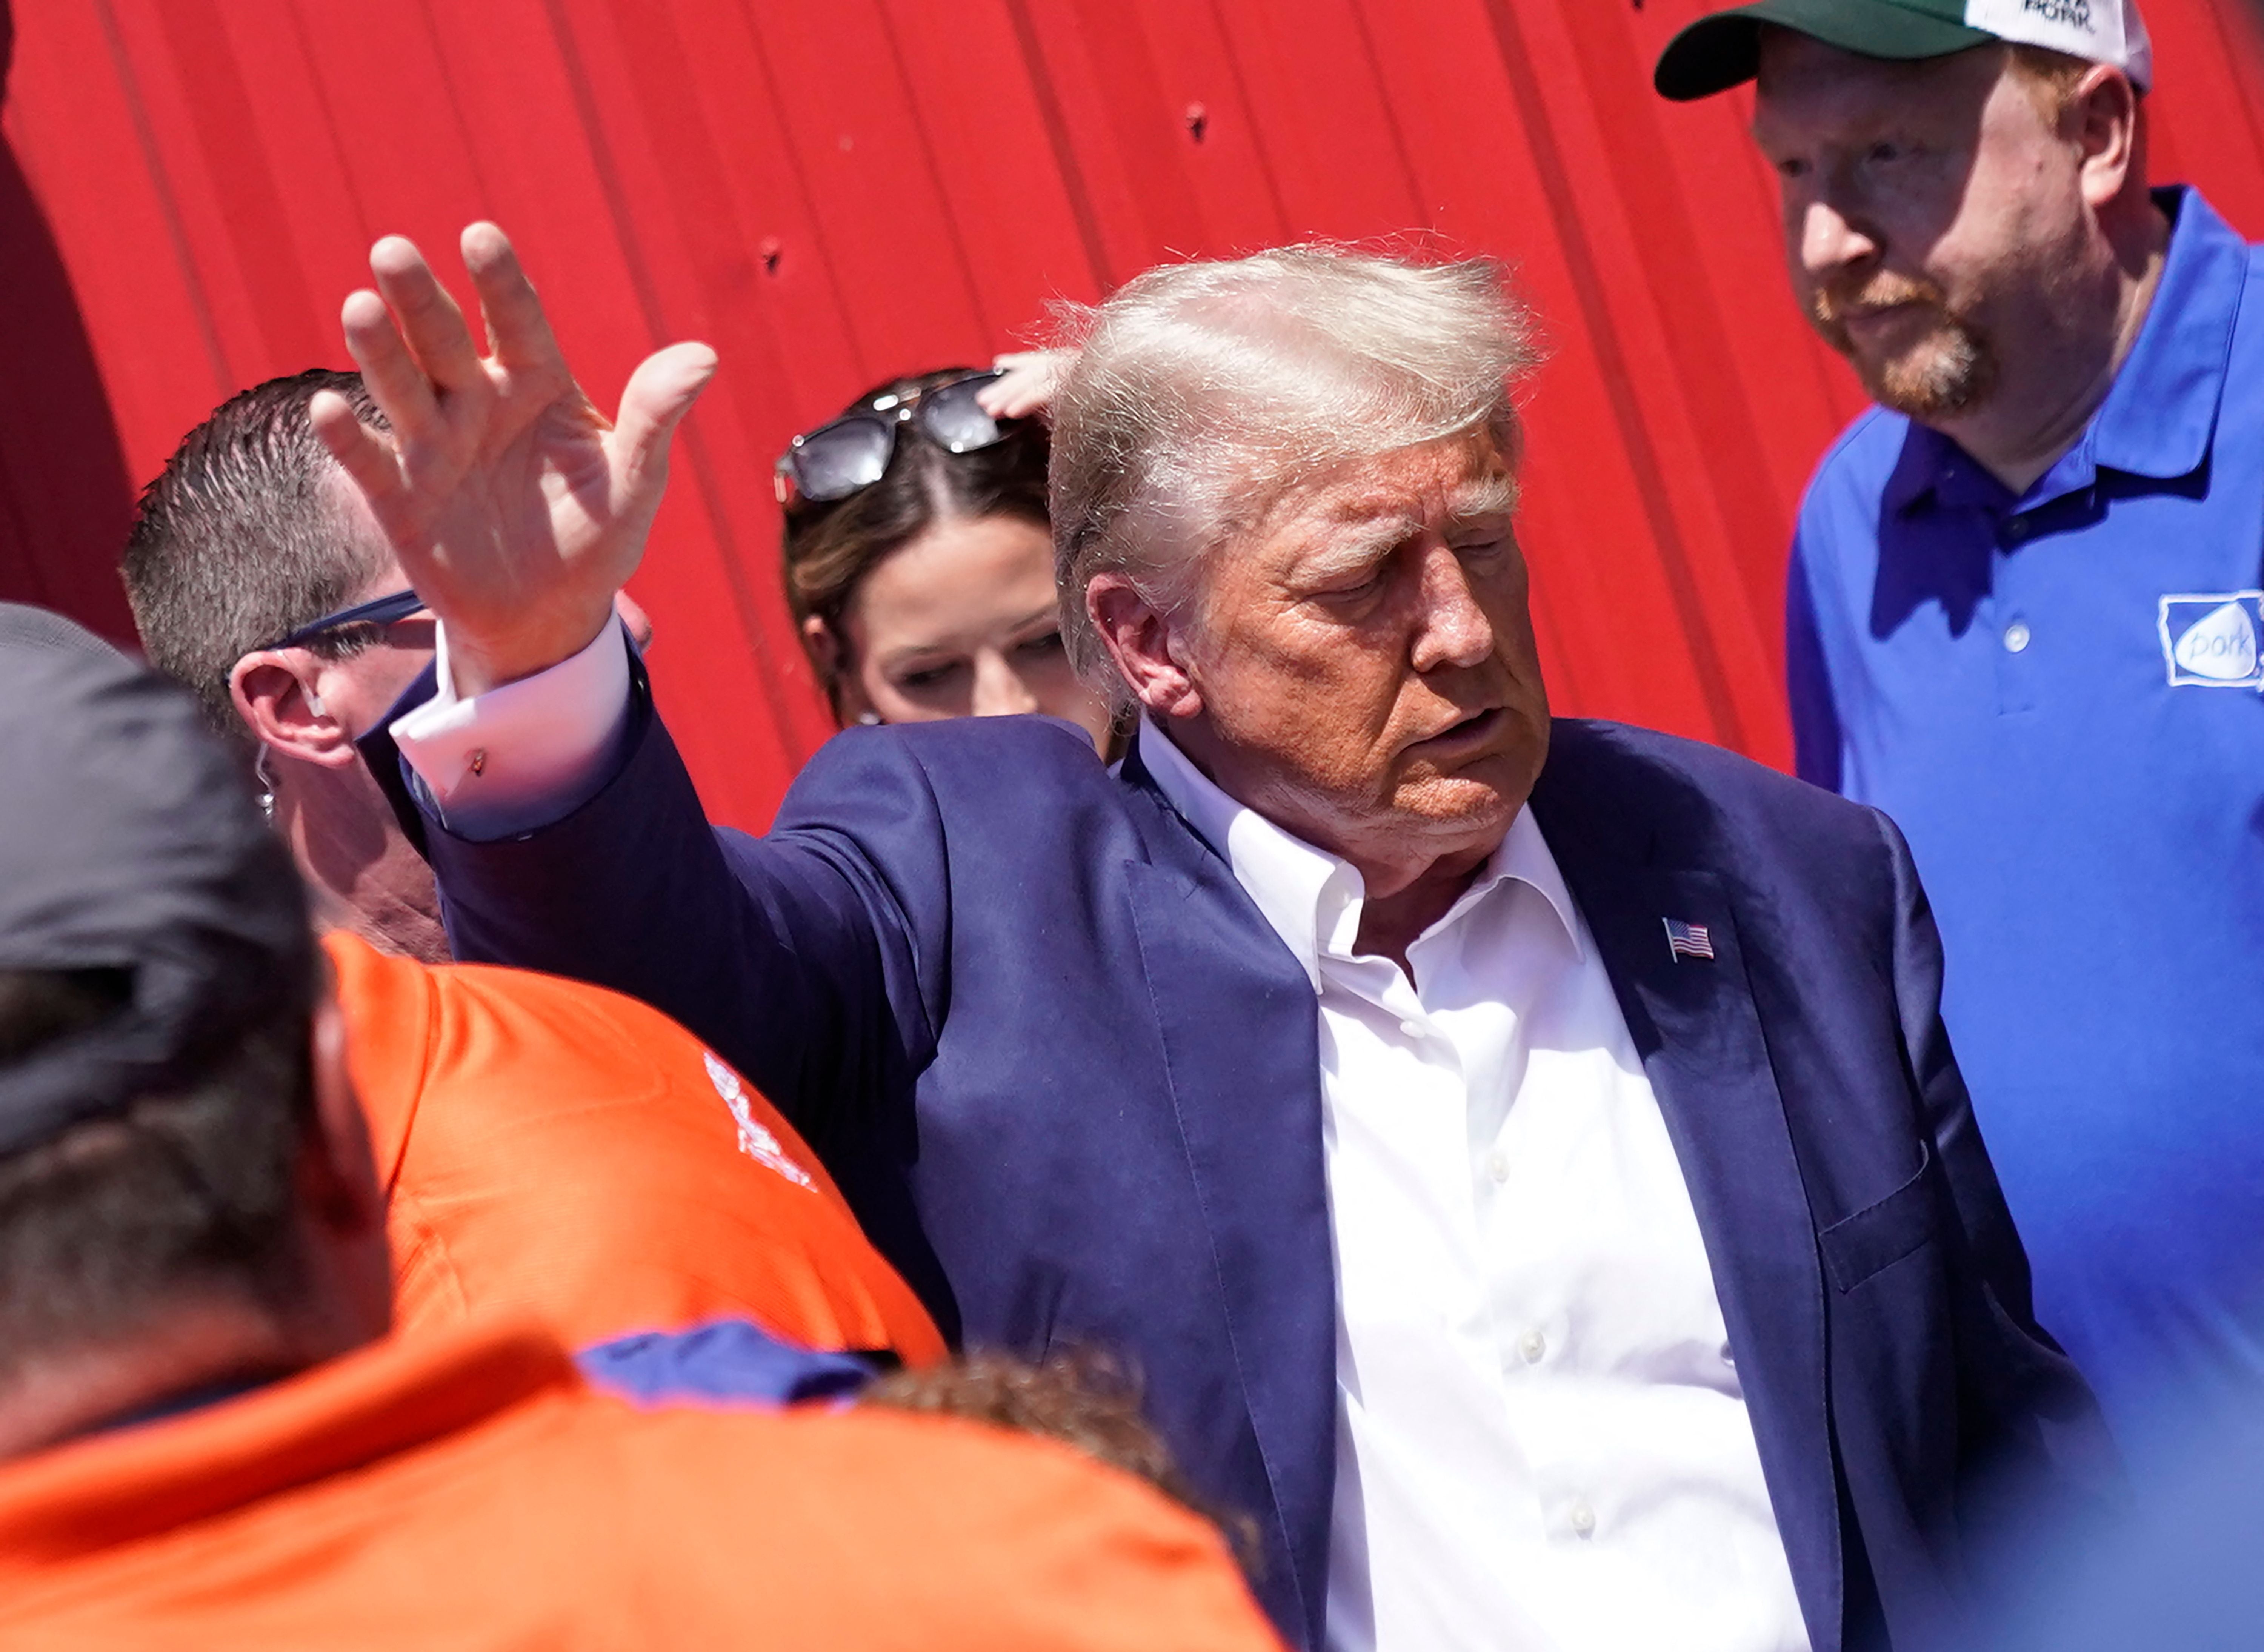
(266, 786)
(867, 719)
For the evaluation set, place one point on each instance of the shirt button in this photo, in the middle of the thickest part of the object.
(1413, 1029)
(1497, 1166)
(2017, 529)
(2017, 636)
(1583, 1519)
(1531, 1346)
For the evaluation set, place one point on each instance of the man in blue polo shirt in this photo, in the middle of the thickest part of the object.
(2024, 613)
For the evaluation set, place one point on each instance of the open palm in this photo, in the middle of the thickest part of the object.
(516, 508)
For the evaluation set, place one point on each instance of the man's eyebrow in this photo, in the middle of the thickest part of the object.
(1494, 496)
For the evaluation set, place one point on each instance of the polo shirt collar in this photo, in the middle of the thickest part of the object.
(1310, 898)
(2160, 415)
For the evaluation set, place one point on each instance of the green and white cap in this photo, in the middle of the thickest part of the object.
(1722, 49)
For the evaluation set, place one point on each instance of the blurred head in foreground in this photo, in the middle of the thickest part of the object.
(918, 560)
(186, 1198)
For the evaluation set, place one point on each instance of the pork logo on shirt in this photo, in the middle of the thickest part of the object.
(2210, 639)
(755, 1141)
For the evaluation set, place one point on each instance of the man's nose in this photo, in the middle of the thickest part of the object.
(999, 690)
(1831, 242)
(1453, 629)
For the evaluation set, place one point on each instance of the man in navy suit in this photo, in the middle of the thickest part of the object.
(1543, 1196)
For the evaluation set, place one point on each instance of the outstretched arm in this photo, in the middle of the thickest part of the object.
(518, 509)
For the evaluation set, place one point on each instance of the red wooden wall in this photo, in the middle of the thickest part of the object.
(833, 192)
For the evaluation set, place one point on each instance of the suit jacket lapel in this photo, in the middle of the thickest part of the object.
(1699, 1033)
(1241, 1041)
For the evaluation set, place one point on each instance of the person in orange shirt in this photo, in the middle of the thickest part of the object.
(555, 1148)
(208, 1437)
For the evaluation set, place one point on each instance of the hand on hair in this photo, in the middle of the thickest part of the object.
(1033, 376)
(517, 508)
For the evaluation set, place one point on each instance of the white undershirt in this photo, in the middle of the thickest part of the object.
(1542, 1439)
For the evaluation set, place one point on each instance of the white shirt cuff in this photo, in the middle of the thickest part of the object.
(526, 754)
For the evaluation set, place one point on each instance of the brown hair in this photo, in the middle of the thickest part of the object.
(831, 546)
(1080, 1397)
(239, 540)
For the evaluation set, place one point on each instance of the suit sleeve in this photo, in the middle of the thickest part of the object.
(793, 956)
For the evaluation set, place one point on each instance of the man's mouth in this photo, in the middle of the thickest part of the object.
(1470, 734)
(1872, 320)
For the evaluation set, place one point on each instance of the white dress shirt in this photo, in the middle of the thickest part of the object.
(1542, 1439)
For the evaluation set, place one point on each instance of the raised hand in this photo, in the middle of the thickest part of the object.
(517, 508)
(1033, 379)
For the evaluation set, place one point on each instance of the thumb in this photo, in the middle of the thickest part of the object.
(654, 402)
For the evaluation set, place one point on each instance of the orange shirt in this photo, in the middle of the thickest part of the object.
(463, 1489)
(554, 1149)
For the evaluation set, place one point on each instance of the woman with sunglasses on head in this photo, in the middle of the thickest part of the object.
(918, 557)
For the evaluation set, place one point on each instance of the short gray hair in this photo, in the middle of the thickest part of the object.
(1202, 392)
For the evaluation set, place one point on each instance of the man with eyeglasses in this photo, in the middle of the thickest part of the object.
(547, 1147)
(258, 579)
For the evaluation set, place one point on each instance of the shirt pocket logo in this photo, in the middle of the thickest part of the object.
(2209, 639)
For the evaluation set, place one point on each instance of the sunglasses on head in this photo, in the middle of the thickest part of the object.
(378, 611)
(848, 455)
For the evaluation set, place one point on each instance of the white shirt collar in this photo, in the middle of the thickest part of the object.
(1312, 898)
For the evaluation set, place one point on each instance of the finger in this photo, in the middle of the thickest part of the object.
(362, 452)
(519, 332)
(431, 324)
(394, 379)
(659, 394)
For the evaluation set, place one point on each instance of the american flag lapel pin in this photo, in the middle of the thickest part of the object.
(1688, 941)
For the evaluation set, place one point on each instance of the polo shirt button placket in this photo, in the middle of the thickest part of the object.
(2016, 687)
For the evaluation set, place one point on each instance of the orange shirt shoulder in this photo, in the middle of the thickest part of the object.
(551, 1148)
(465, 1490)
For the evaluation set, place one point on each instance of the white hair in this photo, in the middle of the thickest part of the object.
(1202, 392)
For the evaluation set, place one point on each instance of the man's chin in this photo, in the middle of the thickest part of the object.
(1482, 797)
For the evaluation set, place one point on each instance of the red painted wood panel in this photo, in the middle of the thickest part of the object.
(833, 194)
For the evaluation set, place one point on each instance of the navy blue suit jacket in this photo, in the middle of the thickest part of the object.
(1069, 1078)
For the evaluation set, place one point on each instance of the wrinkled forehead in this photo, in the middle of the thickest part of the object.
(1383, 499)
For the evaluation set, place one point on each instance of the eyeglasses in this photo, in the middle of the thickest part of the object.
(848, 455)
(378, 611)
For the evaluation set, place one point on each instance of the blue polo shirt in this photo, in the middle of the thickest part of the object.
(2056, 697)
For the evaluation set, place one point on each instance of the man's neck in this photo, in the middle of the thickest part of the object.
(1390, 924)
(363, 876)
(54, 1397)
(2023, 430)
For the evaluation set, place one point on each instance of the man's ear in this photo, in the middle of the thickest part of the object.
(1141, 638)
(2105, 115)
(274, 693)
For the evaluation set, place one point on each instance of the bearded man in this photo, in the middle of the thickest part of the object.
(1540, 1195)
(2024, 609)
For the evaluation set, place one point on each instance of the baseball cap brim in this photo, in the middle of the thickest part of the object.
(1723, 50)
